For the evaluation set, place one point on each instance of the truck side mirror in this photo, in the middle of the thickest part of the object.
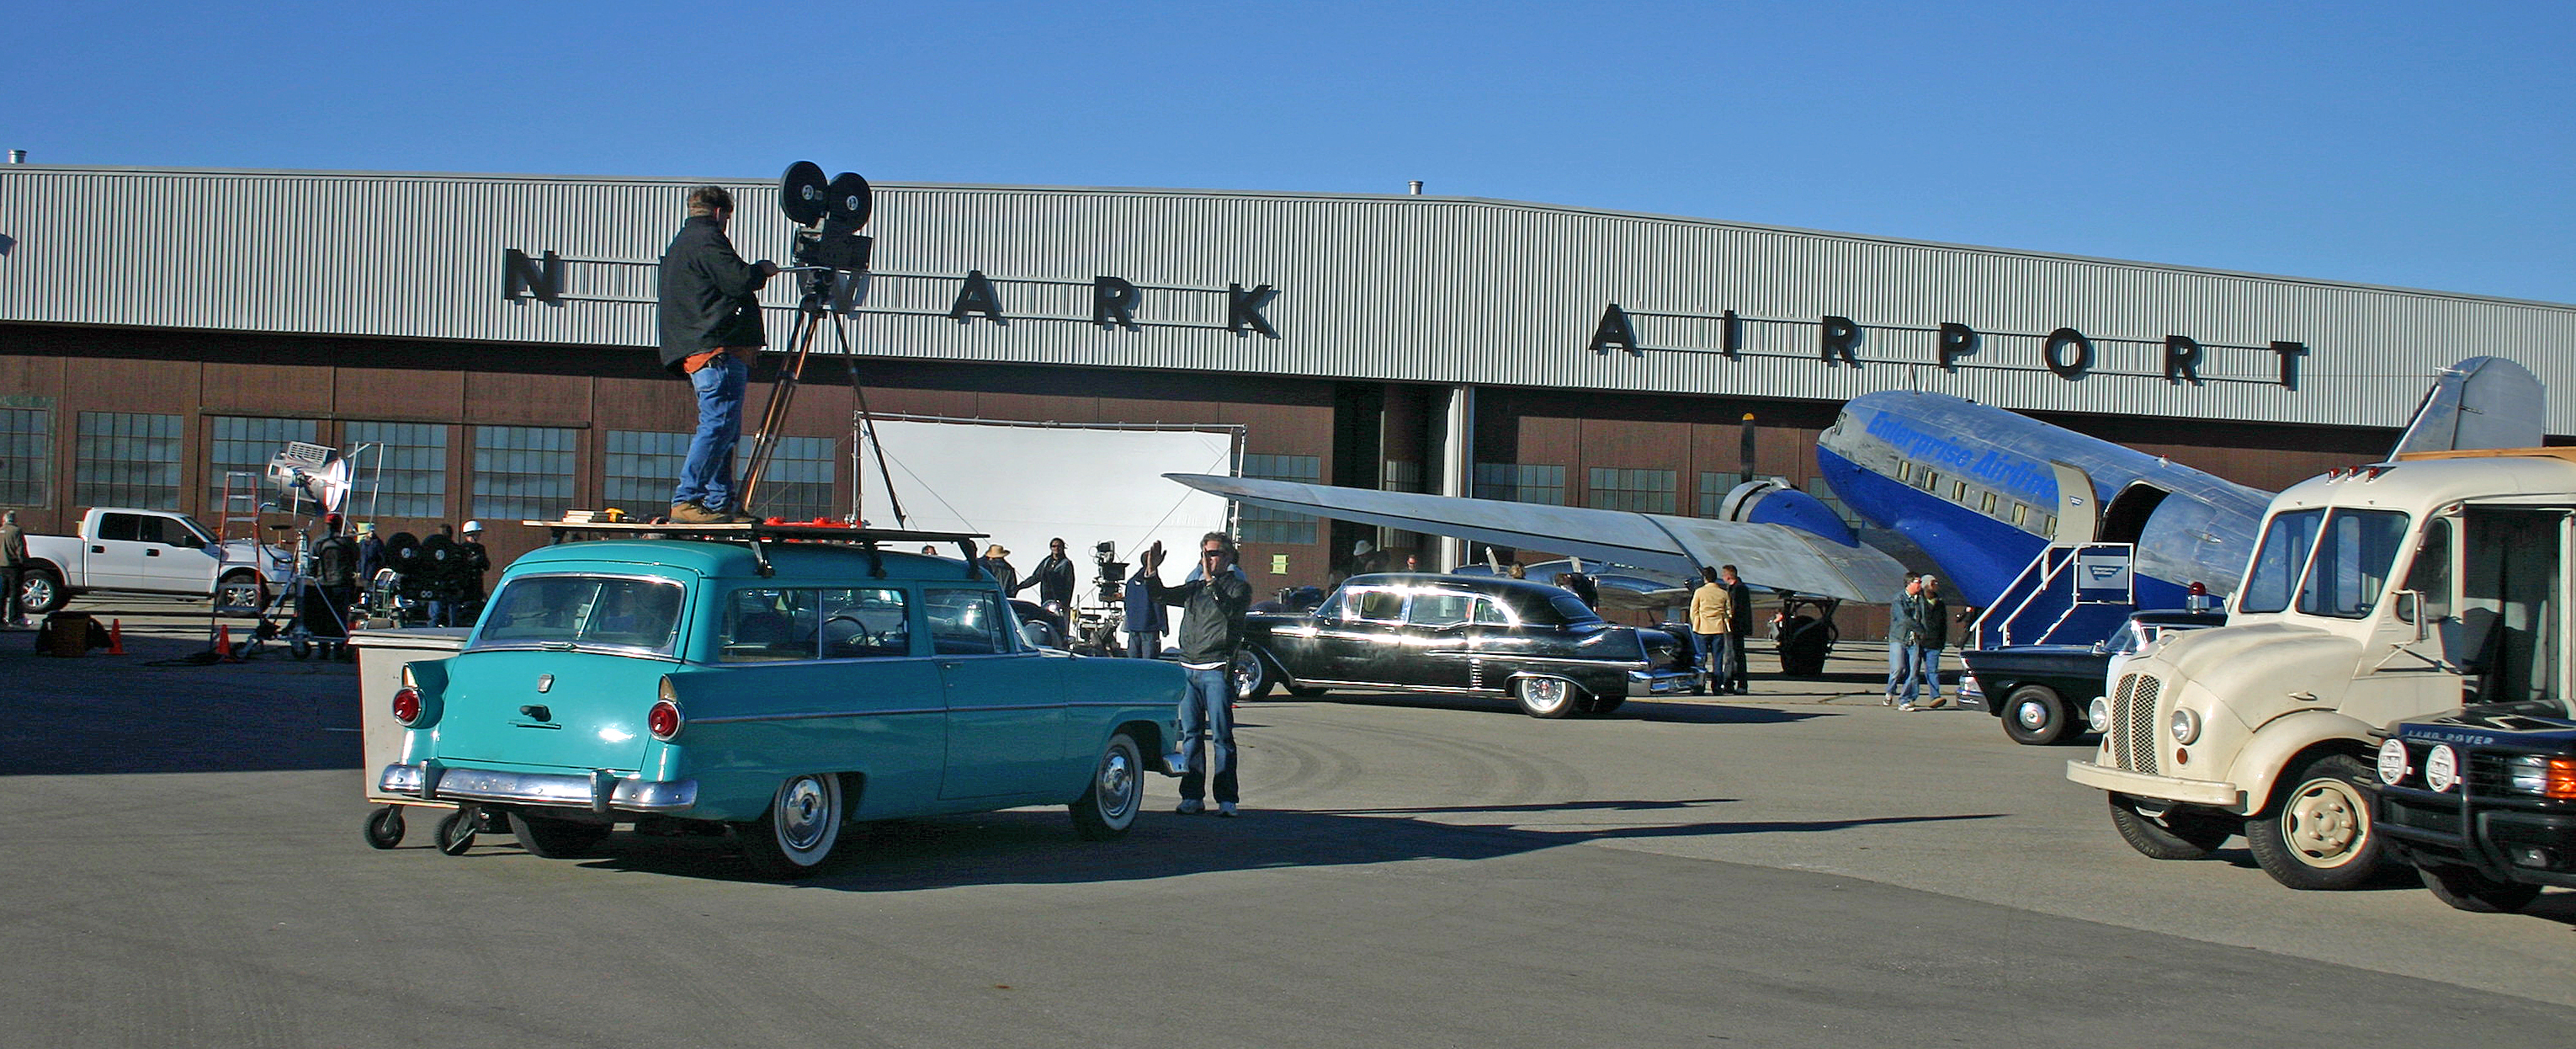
(2410, 609)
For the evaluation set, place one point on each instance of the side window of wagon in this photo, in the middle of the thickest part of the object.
(863, 623)
(966, 622)
(768, 624)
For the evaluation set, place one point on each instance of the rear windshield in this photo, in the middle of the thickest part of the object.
(583, 611)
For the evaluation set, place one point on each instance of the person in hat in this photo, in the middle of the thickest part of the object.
(371, 555)
(1367, 558)
(476, 561)
(996, 563)
(1927, 632)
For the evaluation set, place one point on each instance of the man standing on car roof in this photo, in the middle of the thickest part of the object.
(711, 332)
(1212, 611)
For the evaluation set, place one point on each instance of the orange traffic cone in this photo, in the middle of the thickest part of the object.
(116, 637)
(223, 641)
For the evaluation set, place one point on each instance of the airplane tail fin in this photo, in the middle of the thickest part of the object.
(2481, 402)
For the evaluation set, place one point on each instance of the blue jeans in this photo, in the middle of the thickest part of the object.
(1897, 669)
(1715, 662)
(1144, 646)
(707, 478)
(1923, 666)
(1206, 714)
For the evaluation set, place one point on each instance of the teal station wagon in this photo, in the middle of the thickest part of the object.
(776, 687)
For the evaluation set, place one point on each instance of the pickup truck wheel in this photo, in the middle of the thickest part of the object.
(1251, 675)
(2471, 891)
(2178, 834)
(2316, 834)
(1545, 697)
(555, 839)
(797, 834)
(40, 590)
(385, 827)
(1117, 791)
(237, 590)
(2035, 716)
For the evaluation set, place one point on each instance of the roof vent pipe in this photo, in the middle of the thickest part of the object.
(1414, 187)
(19, 156)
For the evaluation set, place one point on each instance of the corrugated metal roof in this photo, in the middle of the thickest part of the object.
(1401, 288)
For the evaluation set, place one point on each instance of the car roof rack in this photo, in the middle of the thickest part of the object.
(759, 536)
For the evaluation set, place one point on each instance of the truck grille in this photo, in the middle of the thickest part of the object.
(2133, 723)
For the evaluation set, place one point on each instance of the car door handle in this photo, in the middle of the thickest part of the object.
(98, 549)
(152, 553)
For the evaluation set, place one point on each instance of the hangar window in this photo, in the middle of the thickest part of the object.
(1521, 483)
(1644, 491)
(409, 466)
(1262, 524)
(798, 483)
(524, 472)
(242, 445)
(127, 459)
(642, 466)
(26, 456)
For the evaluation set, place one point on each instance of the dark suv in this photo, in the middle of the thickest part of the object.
(2483, 802)
(1539, 644)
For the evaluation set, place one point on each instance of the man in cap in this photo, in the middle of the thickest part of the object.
(371, 554)
(477, 561)
(1927, 623)
(996, 563)
(711, 332)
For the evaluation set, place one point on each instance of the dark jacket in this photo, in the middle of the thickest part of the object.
(1142, 616)
(475, 561)
(13, 546)
(335, 562)
(709, 295)
(1927, 621)
(1211, 615)
(371, 556)
(1054, 579)
(1742, 620)
(1002, 573)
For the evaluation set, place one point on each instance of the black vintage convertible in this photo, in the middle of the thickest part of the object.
(1539, 644)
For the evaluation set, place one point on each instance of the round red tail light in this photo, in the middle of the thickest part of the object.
(407, 707)
(664, 721)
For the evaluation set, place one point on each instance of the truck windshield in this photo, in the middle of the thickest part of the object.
(2354, 551)
(583, 611)
(2275, 577)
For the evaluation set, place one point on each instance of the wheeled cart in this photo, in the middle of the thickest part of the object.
(382, 654)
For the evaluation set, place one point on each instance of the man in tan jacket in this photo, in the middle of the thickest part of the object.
(1712, 615)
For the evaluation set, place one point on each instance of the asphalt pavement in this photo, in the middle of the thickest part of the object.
(1800, 867)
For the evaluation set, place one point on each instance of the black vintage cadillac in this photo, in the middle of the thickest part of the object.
(1538, 644)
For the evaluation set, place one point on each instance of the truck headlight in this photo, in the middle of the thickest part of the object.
(2097, 715)
(2186, 726)
(2543, 776)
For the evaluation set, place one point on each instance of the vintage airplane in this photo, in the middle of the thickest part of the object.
(1982, 491)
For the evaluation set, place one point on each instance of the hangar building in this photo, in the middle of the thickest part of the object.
(161, 328)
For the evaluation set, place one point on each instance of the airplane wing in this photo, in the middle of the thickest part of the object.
(1769, 555)
(2481, 402)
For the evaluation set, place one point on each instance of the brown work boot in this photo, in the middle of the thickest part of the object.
(736, 516)
(692, 513)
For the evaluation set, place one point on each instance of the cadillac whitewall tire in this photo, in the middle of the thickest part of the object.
(1108, 809)
(1547, 697)
(1250, 675)
(796, 835)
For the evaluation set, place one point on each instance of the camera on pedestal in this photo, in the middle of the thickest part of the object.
(1112, 575)
(829, 252)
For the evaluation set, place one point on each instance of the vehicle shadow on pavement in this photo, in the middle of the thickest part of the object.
(1037, 847)
(1740, 712)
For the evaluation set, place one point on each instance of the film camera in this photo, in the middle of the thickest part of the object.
(830, 254)
(1112, 574)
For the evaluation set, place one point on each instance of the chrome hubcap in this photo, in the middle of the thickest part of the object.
(2031, 715)
(804, 814)
(1117, 783)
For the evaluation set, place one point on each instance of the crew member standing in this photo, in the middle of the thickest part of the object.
(711, 331)
(1898, 669)
(996, 562)
(1145, 621)
(1927, 623)
(1053, 577)
(371, 554)
(1712, 613)
(1739, 599)
(1212, 611)
(13, 567)
(475, 561)
(335, 579)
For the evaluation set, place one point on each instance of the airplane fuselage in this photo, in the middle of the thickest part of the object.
(1983, 490)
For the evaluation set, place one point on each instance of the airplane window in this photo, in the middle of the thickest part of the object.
(1931, 480)
(2021, 513)
(1958, 491)
(1986, 503)
(2048, 524)
(1905, 473)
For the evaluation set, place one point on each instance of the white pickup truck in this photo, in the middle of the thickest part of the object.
(125, 550)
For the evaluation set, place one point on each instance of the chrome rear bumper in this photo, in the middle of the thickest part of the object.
(600, 792)
(1659, 682)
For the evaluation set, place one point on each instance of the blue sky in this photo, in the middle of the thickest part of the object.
(2417, 145)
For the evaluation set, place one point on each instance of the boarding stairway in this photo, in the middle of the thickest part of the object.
(2071, 594)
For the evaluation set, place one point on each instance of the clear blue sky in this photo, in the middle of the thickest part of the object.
(2419, 145)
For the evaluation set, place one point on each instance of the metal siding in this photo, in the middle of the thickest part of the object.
(1428, 289)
